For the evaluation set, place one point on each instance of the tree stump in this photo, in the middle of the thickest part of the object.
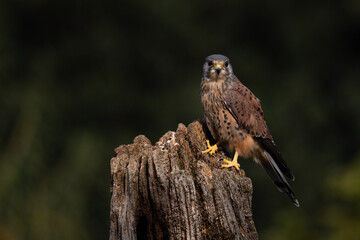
(173, 191)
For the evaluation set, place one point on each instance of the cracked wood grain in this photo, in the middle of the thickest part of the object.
(171, 191)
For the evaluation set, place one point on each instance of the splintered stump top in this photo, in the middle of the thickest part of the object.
(173, 191)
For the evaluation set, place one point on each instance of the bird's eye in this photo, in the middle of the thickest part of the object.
(210, 63)
(226, 64)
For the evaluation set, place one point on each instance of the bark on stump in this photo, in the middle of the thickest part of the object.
(173, 191)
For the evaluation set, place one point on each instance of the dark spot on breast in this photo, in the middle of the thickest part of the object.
(246, 89)
(245, 94)
(228, 133)
(227, 127)
(258, 109)
(250, 98)
(242, 114)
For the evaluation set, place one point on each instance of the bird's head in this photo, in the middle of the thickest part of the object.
(216, 67)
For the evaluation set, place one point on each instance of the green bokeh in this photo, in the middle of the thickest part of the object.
(77, 79)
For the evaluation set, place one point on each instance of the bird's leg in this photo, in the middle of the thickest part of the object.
(232, 163)
(211, 149)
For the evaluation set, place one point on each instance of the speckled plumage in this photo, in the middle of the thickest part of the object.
(235, 119)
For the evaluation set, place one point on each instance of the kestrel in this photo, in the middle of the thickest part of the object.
(235, 119)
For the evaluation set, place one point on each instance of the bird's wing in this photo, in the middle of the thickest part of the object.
(247, 111)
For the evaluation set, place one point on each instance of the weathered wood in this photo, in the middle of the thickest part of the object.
(173, 191)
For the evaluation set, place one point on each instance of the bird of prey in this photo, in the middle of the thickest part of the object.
(236, 121)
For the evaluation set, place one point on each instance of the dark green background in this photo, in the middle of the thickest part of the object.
(79, 78)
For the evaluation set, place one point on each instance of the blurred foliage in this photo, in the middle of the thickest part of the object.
(79, 78)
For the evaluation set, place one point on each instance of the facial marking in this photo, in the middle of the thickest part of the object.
(218, 69)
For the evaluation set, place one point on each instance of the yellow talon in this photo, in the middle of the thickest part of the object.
(211, 149)
(232, 163)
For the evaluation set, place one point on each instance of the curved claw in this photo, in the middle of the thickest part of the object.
(232, 163)
(211, 149)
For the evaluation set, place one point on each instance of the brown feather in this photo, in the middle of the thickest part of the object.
(236, 120)
(246, 109)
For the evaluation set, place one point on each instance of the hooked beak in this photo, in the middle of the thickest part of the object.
(218, 69)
